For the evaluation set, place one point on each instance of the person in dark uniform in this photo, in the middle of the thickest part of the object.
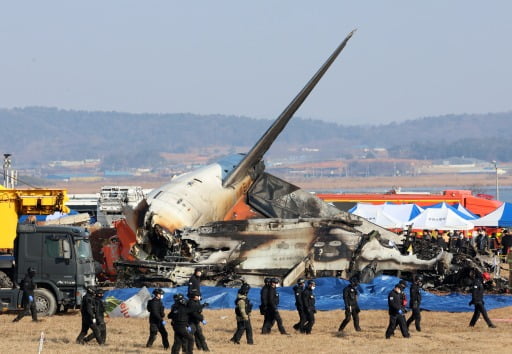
(477, 299)
(156, 311)
(297, 291)
(506, 242)
(194, 283)
(28, 300)
(88, 312)
(351, 306)
(243, 309)
(264, 303)
(195, 320)
(179, 316)
(272, 312)
(396, 314)
(308, 300)
(403, 299)
(415, 302)
(99, 313)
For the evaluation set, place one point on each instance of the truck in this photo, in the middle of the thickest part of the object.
(17, 202)
(64, 266)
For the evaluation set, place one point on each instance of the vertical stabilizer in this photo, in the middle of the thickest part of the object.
(260, 148)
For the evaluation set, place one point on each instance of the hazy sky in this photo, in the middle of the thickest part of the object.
(408, 59)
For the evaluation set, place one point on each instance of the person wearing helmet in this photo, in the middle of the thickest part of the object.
(28, 300)
(477, 299)
(415, 297)
(194, 283)
(195, 319)
(350, 295)
(243, 308)
(403, 298)
(87, 309)
(297, 292)
(264, 302)
(308, 301)
(179, 316)
(155, 308)
(99, 312)
(272, 312)
(396, 313)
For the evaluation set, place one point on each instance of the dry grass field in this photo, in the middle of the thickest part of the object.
(442, 333)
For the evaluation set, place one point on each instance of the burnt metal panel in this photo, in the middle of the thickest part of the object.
(276, 198)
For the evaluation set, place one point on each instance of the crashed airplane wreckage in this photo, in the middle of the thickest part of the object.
(239, 223)
(296, 234)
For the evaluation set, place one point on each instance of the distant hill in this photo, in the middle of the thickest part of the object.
(37, 134)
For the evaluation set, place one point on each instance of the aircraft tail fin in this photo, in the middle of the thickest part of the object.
(265, 142)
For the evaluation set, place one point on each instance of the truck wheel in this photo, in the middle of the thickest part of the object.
(45, 302)
(5, 281)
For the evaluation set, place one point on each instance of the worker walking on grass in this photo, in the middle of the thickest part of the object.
(396, 313)
(28, 300)
(99, 312)
(297, 292)
(157, 319)
(403, 299)
(477, 299)
(415, 302)
(195, 320)
(179, 316)
(243, 309)
(308, 300)
(264, 303)
(350, 295)
(88, 312)
(194, 283)
(272, 312)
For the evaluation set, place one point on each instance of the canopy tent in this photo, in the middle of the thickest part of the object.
(465, 211)
(465, 215)
(440, 219)
(402, 212)
(501, 217)
(376, 215)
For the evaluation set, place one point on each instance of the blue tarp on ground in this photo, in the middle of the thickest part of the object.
(373, 296)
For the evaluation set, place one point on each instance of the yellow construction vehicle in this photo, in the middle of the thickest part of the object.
(17, 202)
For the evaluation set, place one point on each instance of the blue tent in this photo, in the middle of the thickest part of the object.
(463, 210)
(373, 296)
(400, 212)
(410, 210)
(460, 213)
(501, 217)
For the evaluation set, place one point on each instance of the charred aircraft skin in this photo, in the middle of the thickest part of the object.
(250, 250)
(329, 246)
(181, 225)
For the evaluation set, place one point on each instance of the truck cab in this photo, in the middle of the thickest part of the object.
(64, 266)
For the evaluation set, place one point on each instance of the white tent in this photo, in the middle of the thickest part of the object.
(440, 219)
(460, 210)
(402, 212)
(376, 215)
(465, 211)
(501, 217)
